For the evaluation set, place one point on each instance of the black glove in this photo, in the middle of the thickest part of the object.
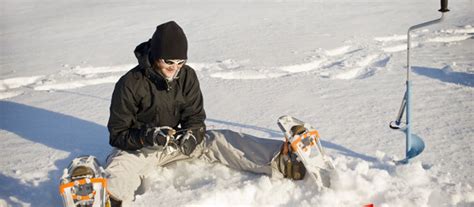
(199, 133)
(187, 142)
(157, 136)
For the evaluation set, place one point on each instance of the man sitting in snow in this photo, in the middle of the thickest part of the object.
(157, 117)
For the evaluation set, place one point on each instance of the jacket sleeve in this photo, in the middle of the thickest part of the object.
(122, 119)
(193, 114)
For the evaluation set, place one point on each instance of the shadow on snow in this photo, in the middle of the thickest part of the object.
(465, 79)
(55, 130)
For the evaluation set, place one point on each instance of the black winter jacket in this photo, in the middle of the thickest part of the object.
(142, 98)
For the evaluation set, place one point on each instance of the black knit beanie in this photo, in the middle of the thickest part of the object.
(168, 42)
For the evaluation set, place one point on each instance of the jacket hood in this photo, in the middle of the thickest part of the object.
(142, 52)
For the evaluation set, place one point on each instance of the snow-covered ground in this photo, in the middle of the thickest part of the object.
(339, 65)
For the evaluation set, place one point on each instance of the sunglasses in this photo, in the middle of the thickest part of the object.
(172, 62)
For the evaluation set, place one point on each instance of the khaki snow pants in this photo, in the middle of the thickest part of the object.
(237, 150)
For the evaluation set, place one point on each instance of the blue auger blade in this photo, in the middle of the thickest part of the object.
(416, 146)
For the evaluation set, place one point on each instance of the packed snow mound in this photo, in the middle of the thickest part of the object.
(356, 183)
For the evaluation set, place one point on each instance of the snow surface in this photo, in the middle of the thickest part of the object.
(339, 65)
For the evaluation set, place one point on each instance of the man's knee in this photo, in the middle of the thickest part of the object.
(125, 172)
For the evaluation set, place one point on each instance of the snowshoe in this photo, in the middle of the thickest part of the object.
(84, 184)
(303, 145)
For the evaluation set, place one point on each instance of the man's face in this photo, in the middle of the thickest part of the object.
(169, 67)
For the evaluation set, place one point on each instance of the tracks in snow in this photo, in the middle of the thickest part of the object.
(68, 78)
(350, 61)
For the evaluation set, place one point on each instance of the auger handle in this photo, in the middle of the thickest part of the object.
(444, 6)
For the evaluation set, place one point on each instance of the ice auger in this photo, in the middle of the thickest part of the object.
(414, 144)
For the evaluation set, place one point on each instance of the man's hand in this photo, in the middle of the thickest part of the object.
(187, 142)
(158, 136)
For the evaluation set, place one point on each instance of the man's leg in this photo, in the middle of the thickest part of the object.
(128, 169)
(243, 152)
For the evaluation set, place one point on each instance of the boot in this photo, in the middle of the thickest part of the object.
(289, 165)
